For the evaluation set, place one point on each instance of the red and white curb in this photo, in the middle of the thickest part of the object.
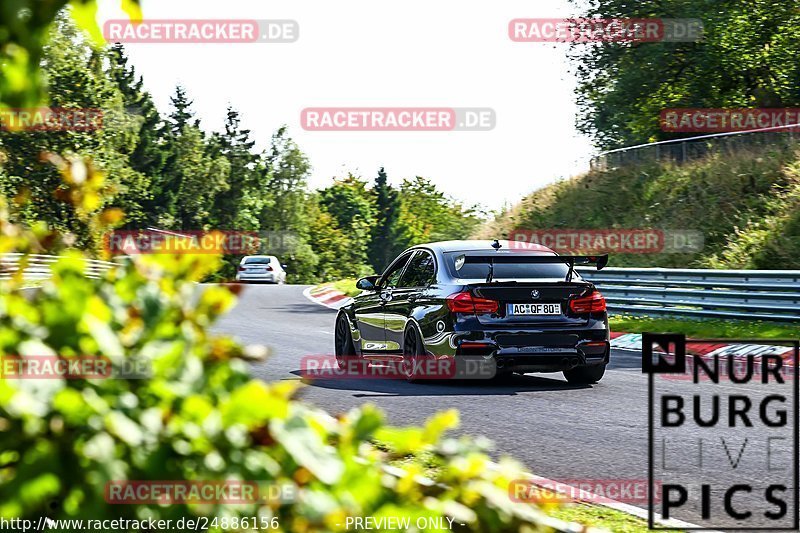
(633, 341)
(327, 296)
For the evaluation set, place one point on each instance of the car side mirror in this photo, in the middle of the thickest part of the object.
(284, 266)
(367, 283)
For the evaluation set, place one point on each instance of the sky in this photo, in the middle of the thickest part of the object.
(359, 53)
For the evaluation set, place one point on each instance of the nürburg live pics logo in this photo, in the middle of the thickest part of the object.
(723, 436)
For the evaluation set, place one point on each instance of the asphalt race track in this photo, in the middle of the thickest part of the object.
(557, 430)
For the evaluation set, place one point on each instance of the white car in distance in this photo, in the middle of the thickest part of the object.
(264, 268)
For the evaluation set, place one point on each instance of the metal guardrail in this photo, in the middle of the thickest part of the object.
(38, 267)
(744, 294)
(686, 149)
(741, 294)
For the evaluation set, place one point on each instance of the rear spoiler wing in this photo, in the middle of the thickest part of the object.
(600, 261)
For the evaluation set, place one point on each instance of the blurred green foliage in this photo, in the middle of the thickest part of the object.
(24, 32)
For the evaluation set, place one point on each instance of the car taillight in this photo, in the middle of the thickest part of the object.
(594, 303)
(241, 268)
(269, 269)
(464, 302)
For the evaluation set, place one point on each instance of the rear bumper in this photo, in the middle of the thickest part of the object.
(539, 350)
(550, 362)
(267, 277)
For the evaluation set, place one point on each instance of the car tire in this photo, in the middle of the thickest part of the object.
(343, 341)
(585, 375)
(413, 346)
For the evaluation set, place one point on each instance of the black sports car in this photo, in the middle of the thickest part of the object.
(523, 310)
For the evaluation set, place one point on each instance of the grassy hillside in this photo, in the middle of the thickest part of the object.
(745, 205)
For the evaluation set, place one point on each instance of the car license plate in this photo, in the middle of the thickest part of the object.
(257, 270)
(535, 309)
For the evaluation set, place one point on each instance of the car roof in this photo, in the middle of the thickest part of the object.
(485, 246)
(255, 256)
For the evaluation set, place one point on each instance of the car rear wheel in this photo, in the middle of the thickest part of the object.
(343, 341)
(413, 350)
(585, 375)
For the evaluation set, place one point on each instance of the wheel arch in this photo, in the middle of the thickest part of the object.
(412, 323)
(355, 335)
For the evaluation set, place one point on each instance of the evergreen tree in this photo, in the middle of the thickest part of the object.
(149, 154)
(198, 178)
(169, 187)
(182, 114)
(383, 244)
(288, 170)
(239, 205)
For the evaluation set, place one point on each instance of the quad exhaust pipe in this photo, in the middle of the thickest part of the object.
(571, 362)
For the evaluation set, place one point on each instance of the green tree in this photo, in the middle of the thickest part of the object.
(239, 204)
(149, 155)
(194, 173)
(745, 59)
(198, 179)
(182, 114)
(383, 243)
(330, 245)
(351, 206)
(287, 203)
(428, 215)
(288, 170)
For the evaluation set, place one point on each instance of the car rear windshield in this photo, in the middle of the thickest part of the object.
(479, 271)
(256, 261)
